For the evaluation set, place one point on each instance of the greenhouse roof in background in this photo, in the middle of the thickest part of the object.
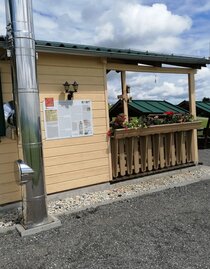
(141, 107)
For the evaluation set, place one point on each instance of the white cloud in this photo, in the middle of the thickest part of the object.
(144, 27)
(161, 26)
(202, 83)
(116, 23)
(167, 90)
(104, 33)
(203, 73)
(2, 20)
(152, 20)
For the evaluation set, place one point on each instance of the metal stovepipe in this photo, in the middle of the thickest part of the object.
(21, 42)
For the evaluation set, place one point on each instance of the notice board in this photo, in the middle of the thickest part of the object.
(65, 119)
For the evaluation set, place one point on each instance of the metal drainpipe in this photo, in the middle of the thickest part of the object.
(20, 34)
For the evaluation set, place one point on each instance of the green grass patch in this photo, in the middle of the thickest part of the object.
(203, 121)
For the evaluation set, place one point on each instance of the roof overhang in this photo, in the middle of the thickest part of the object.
(121, 56)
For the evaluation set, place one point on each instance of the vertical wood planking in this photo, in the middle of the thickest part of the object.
(143, 152)
(173, 152)
(162, 160)
(178, 147)
(189, 141)
(136, 155)
(156, 150)
(168, 149)
(183, 149)
(129, 145)
(122, 157)
(114, 150)
(149, 152)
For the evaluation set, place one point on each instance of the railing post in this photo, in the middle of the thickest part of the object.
(192, 110)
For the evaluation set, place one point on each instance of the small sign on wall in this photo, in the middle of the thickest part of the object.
(71, 118)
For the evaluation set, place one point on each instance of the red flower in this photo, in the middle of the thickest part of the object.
(169, 113)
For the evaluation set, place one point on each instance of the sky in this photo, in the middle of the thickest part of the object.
(180, 27)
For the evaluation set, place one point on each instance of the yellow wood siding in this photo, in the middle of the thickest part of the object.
(75, 162)
(72, 162)
(9, 190)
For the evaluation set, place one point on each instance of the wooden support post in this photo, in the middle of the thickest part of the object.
(110, 156)
(124, 95)
(192, 110)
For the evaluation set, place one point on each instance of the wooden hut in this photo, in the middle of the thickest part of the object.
(78, 159)
(202, 110)
(137, 108)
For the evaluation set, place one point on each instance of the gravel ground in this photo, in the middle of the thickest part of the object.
(120, 191)
(160, 230)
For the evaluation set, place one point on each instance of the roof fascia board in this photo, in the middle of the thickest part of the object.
(140, 57)
(149, 69)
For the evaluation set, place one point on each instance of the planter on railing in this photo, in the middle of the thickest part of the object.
(135, 151)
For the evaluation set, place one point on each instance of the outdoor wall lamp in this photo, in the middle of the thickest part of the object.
(70, 89)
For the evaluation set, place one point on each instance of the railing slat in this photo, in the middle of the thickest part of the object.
(156, 150)
(129, 145)
(183, 149)
(143, 152)
(122, 156)
(162, 160)
(173, 155)
(114, 151)
(189, 141)
(178, 147)
(168, 148)
(136, 155)
(149, 152)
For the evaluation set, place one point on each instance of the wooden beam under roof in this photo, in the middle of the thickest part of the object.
(149, 69)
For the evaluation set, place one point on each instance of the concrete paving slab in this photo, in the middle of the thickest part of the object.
(53, 222)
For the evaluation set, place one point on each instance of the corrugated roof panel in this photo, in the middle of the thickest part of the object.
(203, 105)
(146, 107)
(170, 107)
(139, 107)
(155, 106)
(160, 105)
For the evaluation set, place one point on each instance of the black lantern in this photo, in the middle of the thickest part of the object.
(70, 89)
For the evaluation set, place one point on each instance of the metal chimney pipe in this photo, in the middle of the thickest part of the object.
(20, 34)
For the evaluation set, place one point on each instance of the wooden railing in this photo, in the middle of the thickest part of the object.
(136, 151)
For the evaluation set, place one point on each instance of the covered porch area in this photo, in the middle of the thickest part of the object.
(141, 151)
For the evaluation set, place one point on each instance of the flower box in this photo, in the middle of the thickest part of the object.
(156, 129)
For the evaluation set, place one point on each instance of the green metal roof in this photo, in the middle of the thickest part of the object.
(132, 56)
(202, 108)
(153, 106)
(141, 107)
(203, 105)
